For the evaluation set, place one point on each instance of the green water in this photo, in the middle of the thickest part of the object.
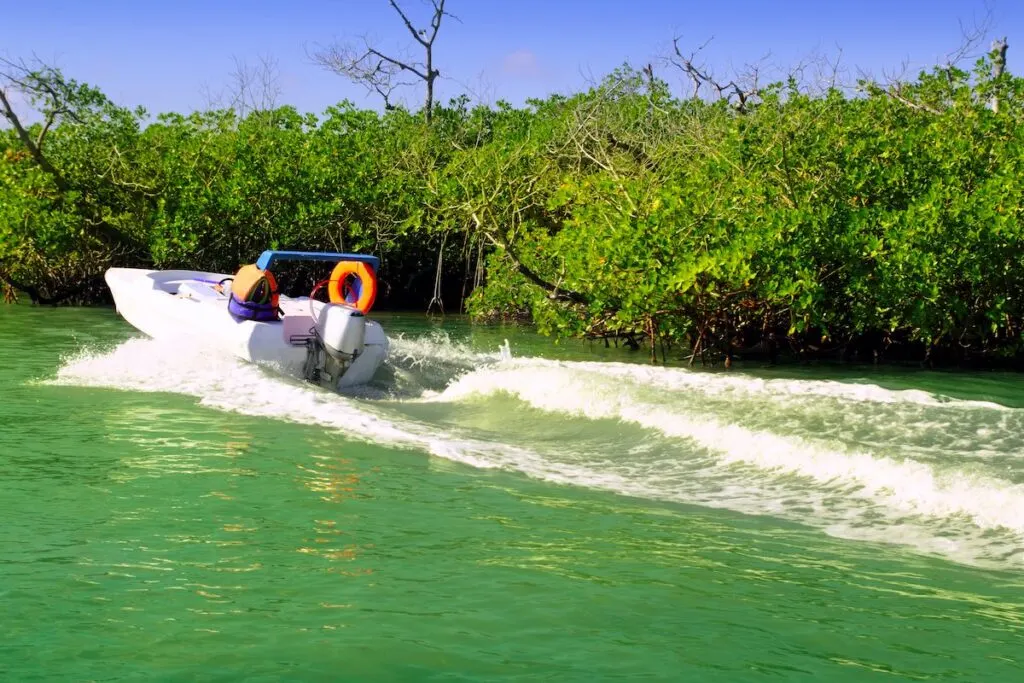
(171, 515)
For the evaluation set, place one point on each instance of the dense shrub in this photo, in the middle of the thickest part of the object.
(817, 222)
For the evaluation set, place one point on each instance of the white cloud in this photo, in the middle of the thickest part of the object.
(522, 63)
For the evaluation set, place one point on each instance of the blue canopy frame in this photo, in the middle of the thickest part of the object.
(268, 257)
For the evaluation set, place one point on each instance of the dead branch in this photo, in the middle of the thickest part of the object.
(251, 87)
(738, 94)
(255, 87)
(999, 47)
(829, 72)
(370, 68)
(380, 72)
(970, 38)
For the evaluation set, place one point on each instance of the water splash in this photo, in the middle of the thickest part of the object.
(858, 461)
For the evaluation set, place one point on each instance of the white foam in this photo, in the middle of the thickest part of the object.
(902, 485)
(223, 382)
(704, 450)
(425, 365)
(439, 347)
(676, 379)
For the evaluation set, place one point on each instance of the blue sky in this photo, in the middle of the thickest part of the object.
(169, 55)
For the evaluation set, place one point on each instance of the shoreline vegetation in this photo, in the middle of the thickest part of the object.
(876, 222)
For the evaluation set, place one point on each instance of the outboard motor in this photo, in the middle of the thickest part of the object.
(340, 332)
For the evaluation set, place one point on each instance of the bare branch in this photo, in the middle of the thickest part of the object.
(257, 88)
(378, 71)
(697, 76)
(737, 94)
(417, 35)
(971, 38)
(829, 72)
(895, 91)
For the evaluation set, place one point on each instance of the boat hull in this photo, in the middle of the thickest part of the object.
(183, 304)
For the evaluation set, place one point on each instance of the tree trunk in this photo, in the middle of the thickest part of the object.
(998, 66)
(428, 105)
(30, 145)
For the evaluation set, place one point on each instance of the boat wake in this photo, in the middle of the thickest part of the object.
(937, 474)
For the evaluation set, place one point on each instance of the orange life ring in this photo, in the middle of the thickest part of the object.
(340, 276)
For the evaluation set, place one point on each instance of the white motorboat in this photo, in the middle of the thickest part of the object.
(330, 343)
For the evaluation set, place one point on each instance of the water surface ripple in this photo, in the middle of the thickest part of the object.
(170, 514)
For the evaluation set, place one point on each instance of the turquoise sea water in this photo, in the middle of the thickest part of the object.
(567, 514)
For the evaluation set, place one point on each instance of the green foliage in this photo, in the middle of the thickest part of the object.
(813, 220)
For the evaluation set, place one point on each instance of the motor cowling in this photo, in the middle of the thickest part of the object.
(342, 330)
